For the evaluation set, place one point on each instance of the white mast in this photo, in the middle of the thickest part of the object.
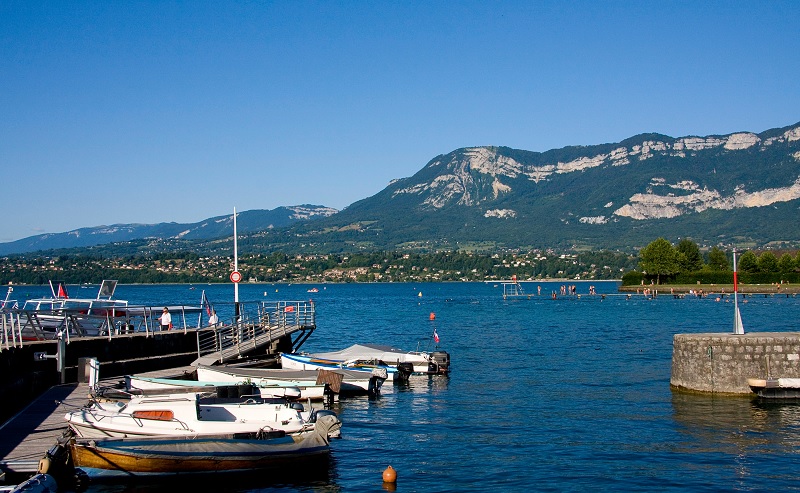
(236, 259)
(235, 269)
(738, 328)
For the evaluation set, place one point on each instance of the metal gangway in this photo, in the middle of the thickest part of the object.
(252, 331)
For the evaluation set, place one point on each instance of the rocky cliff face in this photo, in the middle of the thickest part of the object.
(480, 175)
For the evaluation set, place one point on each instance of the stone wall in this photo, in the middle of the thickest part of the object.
(722, 363)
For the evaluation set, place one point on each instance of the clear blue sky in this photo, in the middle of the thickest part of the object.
(143, 112)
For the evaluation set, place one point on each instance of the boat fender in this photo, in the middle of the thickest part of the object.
(44, 465)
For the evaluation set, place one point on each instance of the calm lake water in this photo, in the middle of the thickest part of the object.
(545, 395)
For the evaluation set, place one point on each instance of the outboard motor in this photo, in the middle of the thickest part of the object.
(379, 375)
(317, 416)
(439, 362)
(404, 370)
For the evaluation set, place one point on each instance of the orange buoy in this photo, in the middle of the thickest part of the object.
(433, 316)
(389, 475)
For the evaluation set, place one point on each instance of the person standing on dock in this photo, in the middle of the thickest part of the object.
(166, 319)
(213, 320)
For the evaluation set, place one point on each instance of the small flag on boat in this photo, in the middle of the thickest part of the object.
(435, 336)
(288, 309)
(207, 304)
(62, 293)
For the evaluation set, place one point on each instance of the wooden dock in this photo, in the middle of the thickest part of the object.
(26, 437)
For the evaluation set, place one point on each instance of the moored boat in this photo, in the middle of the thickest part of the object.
(187, 414)
(775, 388)
(293, 361)
(169, 455)
(421, 362)
(151, 386)
(310, 382)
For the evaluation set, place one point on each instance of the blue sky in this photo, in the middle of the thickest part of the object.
(143, 112)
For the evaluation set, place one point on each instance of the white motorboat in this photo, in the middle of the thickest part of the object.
(367, 356)
(293, 361)
(180, 455)
(187, 414)
(310, 382)
(152, 386)
(80, 316)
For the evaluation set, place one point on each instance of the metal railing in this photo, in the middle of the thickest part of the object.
(19, 325)
(263, 324)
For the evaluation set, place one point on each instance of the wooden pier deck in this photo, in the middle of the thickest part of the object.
(26, 437)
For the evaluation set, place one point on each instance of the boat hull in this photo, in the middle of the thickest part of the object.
(775, 388)
(171, 455)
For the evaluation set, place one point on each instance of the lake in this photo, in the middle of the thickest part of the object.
(568, 394)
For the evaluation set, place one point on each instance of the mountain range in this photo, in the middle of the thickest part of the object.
(215, 227)
(738, 189)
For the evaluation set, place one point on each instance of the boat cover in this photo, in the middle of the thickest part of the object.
(386, 354)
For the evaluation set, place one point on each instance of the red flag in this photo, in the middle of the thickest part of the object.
(207, 304)
(435, 336)
(62, 293)
(288, 309)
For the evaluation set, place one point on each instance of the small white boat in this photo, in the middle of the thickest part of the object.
(151, 386)
(203, 454)
(310, 382)
(775, 388)
(303, 362)
(80, 316)
(368, 356)
(186, 414)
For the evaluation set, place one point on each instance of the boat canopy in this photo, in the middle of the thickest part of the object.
(370, 352)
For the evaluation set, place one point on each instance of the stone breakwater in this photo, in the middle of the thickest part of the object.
(722, 363)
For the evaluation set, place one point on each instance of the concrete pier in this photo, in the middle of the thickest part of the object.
(722, 363)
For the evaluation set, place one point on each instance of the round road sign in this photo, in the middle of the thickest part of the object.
(236, 276)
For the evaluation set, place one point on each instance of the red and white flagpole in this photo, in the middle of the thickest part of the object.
(737, 318)
(235, 269)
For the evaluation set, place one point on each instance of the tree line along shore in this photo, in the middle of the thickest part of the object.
(683, 267)
(789, 289)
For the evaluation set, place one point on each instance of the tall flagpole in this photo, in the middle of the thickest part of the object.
(737, 318)
(235, 268)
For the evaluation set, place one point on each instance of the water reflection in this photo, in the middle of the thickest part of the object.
(737, 425)
(424, 383)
